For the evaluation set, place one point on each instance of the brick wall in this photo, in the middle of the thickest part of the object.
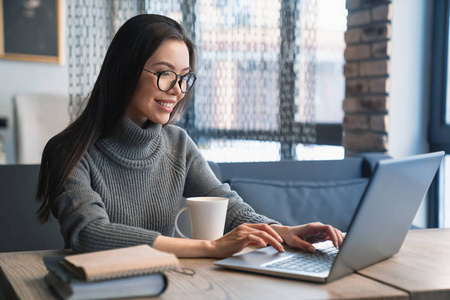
(366, 71)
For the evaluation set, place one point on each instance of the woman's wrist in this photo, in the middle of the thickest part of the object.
(185, 247)
(280, 229)
(210, 248)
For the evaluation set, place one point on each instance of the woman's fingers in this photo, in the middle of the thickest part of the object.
(336, 236)
(317, 232)
(262, 234)
(266, 233)
(340, 236)
(304, 236)
(244, 235)
(256, 241)
(333, 235)
(269, 240)
(266, 228)
(298, 242)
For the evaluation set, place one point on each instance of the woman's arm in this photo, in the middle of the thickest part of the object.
(233, 242)
(261, 235)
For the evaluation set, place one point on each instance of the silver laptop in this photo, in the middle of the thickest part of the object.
(376, 232)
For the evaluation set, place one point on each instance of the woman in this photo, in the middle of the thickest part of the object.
(116, 176)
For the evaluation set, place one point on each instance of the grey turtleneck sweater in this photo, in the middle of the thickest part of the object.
(128, 188)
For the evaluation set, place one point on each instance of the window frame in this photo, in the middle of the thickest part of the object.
(439, 131)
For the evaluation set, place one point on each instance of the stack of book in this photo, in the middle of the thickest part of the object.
(119, 273)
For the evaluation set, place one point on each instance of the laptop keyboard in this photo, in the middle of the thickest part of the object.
(318, 262)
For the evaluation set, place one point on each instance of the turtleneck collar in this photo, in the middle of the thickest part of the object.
(131, 143)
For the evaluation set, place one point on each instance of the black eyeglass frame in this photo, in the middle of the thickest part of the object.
(180, 77)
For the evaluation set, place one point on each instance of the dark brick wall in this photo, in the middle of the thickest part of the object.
(366, 70)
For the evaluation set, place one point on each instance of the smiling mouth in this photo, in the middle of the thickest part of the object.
(166, 104)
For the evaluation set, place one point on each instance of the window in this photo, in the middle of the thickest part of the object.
(330, 80)
(270, 79)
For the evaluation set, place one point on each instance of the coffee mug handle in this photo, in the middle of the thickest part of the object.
(176, 223)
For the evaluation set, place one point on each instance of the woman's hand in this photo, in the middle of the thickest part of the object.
(303, 236)
(252, 235)
(246, 235)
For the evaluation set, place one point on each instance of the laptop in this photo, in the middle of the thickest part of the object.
(377, 231)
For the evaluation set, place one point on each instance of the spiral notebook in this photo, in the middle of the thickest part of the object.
(121, 262)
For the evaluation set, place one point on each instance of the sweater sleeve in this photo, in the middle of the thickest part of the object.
(84, 222)
(201, 181)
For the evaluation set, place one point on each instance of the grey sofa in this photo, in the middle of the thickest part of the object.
(298, 192)
(292, 192)
(19, 228)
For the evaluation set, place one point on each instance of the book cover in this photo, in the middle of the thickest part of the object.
(70, 287)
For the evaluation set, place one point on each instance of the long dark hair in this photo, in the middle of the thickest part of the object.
(132, 46)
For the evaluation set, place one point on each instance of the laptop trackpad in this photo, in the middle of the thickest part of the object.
(262, 256)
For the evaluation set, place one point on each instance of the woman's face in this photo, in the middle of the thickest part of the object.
(149, 102)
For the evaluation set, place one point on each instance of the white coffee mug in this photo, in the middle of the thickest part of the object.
(207, 215)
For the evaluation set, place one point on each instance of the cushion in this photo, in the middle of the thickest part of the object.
(299, 202)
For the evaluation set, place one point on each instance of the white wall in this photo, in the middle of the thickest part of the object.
(22, 76)
(410, 73)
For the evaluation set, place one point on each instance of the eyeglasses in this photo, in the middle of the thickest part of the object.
(167, 80)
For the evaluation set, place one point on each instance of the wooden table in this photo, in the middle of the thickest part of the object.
(21, 277)
(422, 267)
